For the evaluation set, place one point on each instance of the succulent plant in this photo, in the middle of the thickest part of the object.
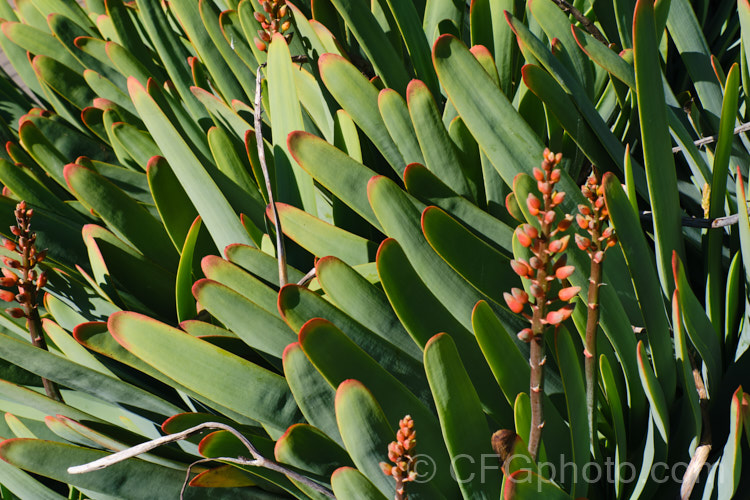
(400, 144)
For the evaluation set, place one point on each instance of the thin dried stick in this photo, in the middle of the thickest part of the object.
(708, 140)
(306, 279)
(257, 461)
(280, 250)
(704, 448)
(696, 222)
(585, 21)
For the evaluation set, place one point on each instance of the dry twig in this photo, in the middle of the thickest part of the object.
(280, 251)
(258, 460)
(585, 21)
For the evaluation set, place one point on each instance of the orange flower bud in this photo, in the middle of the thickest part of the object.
(513, 304)
(9, 245)
(582, 242)
(564, 272)
(523, 238)
(520, 267)
(525, 335)
(554, 176)
(559, 197)
(520, 295)
(533, 203)
(567, 294)
(583, 222)
(538, 174)
(7, 296)
(544, 187)
(261, 46)
(584, 209)
(530, 231)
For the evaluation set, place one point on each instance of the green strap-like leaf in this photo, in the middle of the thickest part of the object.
(480, 264)
(463, 423)
(220, 219)
(265, 397)
(359, 98)
(360, 299)
(321, 238)
(350, 484)
(345, 177)
(657, 154)
(639, 257)
(437, 147)
(298, 305)
(387, 63)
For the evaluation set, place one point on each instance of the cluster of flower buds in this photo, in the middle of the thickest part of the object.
(272, 22)
(593, 217)
(548, 261)
(401, 453)
(27, 282)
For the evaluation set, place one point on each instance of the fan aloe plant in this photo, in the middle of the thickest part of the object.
(277, 228)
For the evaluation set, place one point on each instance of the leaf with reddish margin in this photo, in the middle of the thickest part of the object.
(197, 365)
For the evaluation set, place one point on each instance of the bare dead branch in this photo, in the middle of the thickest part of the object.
(280, 250)
(306, 279)
(257, 461)
(585, 21)
(708, 140)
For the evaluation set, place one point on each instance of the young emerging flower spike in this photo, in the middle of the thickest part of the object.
(401, 455)
(272, 22)
(593, 217)
(28, 282)
(547, 264)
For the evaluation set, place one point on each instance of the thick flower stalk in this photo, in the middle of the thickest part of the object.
(22, 275)
(594, 218)
(546, 265)
(401, 454)
(272, 22)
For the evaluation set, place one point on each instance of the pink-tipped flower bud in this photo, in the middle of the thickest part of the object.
(536, 290)
(558, 197)
(520, 267)
(530, 231)
(520, 295)
(523, 238)
(260, 17)
(544, 187)
(550, 217)
(525, 335)
(557, 246)
(533, 203)
(582, 242)
(567, 294)
(564, 272)
(598, 256)
(513, 304)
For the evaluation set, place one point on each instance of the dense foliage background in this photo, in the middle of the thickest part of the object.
(398, 147)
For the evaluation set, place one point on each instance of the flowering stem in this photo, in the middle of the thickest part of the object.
(29, 285)
(592, 325)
